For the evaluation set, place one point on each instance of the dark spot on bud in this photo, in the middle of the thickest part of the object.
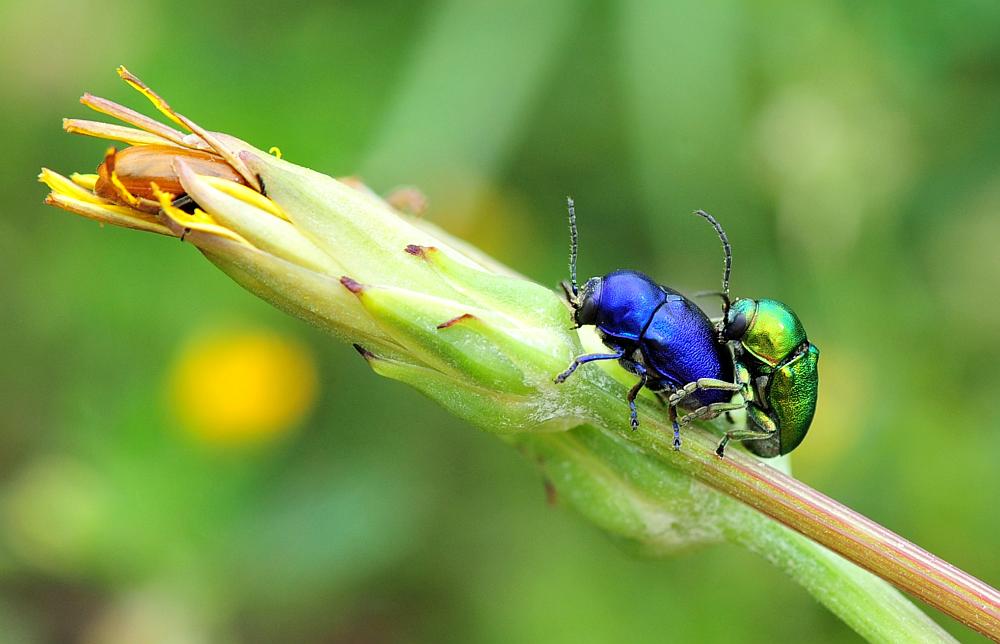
(551, 494)
(351, 285)
(452, 322)
(420, 251)
(365, 353)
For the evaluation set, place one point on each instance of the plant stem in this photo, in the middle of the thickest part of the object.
(633, 495)
(856, 537)
(873, 608)
(813, 514)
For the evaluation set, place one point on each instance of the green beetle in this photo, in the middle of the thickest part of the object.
(775, 368)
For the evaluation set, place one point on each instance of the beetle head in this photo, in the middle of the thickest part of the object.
(587, 302)
(738, 317)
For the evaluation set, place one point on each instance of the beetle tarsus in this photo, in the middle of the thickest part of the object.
(632, 393)
(672, 414)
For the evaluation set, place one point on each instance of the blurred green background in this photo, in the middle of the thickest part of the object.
(850, 149)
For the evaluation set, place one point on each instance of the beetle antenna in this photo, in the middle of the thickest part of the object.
(573, 246)
(728, 251)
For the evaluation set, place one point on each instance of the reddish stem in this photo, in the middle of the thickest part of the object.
(857, 538)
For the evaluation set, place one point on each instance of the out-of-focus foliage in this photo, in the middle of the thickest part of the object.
(851, 150)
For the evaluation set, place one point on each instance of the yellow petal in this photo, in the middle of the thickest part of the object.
(123, 192)
(241, 192)
(198, 220)
(130, 116)
(63, 186)
(111, 132)
(265, 231)
(86, 181)
(184, 121)
(153, 97)
(108, 214)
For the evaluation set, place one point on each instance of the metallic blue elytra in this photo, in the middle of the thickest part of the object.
(662, 333)
(680, 343)
(653, 332)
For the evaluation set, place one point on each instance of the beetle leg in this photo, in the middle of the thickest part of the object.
(767, 428)
(185, 203)
(584, 359)
(633, 392)
(702, 384)
(740, 435)
(705, 413)
(709, 412)
(672, 414)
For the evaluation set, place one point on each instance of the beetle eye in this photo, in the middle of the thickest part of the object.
(590, 295)
(737, 320)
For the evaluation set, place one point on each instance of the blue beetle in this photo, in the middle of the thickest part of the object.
(656, 333)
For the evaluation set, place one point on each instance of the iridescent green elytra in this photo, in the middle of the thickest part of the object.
(775, 368)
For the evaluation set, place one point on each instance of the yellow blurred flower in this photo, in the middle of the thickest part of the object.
(242, 387)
